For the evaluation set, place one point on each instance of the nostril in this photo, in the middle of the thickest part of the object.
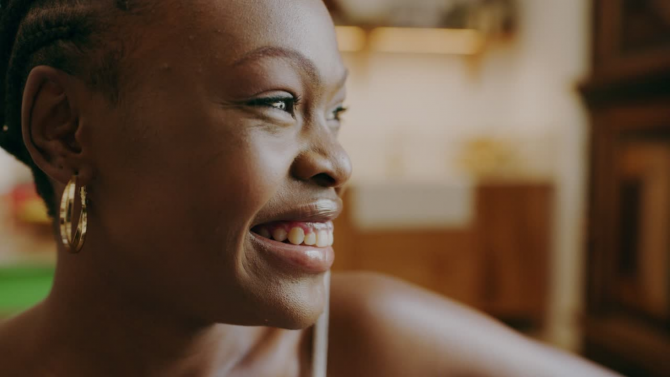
(324, 167)
(325, 180)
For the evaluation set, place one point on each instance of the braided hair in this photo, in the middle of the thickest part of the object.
(74, 36)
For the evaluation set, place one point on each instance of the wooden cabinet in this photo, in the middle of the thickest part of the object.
(513, 237)
(629, 237)
(632, 38)
(496, 263)
(627, 325)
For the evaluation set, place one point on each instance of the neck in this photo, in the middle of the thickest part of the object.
(98, 330)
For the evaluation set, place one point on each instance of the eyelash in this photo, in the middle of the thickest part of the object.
(337, 113)
(291, 104)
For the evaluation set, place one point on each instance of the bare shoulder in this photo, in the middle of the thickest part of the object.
(384, 326)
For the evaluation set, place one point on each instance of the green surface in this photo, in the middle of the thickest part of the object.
(22, 287)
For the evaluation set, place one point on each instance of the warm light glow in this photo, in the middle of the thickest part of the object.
(410, 40)
(350, 38)
(426, 41)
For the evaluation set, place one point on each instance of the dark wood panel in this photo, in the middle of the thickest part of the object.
(632, 38)
(627, 323)
(628, 142)
(630, 347)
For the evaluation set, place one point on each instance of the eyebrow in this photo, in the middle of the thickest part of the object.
(279, 52)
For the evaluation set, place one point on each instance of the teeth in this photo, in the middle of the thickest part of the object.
(265, 233)
(322, 238)
(310, 239)
(296, 236)
(315, 236)
(280, 234)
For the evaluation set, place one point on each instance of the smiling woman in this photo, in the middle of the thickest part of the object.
(193, 148)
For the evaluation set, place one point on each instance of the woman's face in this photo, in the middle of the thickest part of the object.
(226, 131)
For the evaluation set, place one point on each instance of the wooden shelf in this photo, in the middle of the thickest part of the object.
(627, 325)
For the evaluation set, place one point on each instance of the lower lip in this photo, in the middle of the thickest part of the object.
(306, 259)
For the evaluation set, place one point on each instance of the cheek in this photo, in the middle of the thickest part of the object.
(192, 188)
(240, 181)
(232, 187)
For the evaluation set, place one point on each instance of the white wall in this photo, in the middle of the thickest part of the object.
(11, 172)
(567, 24)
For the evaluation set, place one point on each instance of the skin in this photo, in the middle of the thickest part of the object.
(169, 283)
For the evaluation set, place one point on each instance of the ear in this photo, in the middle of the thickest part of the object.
(51, 124)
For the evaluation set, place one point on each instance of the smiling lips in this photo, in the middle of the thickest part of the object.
(319, 234)
(299, 237)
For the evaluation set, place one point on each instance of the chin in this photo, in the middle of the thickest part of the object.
(274, 292)
(300, 320)
(295, 305)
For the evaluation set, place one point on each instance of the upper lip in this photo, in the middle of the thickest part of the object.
(317, 211)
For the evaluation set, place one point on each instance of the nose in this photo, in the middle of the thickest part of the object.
(324, 163)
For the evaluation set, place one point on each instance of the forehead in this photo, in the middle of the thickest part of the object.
(229, 30)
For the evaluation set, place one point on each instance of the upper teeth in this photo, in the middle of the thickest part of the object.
(323, 238)
(280, 234)
(298, 235)
(310, 239)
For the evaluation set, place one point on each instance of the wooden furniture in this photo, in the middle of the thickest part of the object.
(627, 324)
(498, 263)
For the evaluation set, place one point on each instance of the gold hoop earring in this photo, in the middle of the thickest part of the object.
(73, 240)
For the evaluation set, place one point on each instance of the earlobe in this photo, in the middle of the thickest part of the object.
(50, 122)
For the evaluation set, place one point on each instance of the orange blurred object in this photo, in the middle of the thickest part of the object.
(27, 206)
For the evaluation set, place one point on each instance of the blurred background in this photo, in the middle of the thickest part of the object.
(513, 155)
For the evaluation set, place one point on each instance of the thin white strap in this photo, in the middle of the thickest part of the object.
(320, 350)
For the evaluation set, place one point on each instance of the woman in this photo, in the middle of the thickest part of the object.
(203, 134)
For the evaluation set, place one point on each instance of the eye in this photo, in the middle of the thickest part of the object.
(336, 115)
(287, 104)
